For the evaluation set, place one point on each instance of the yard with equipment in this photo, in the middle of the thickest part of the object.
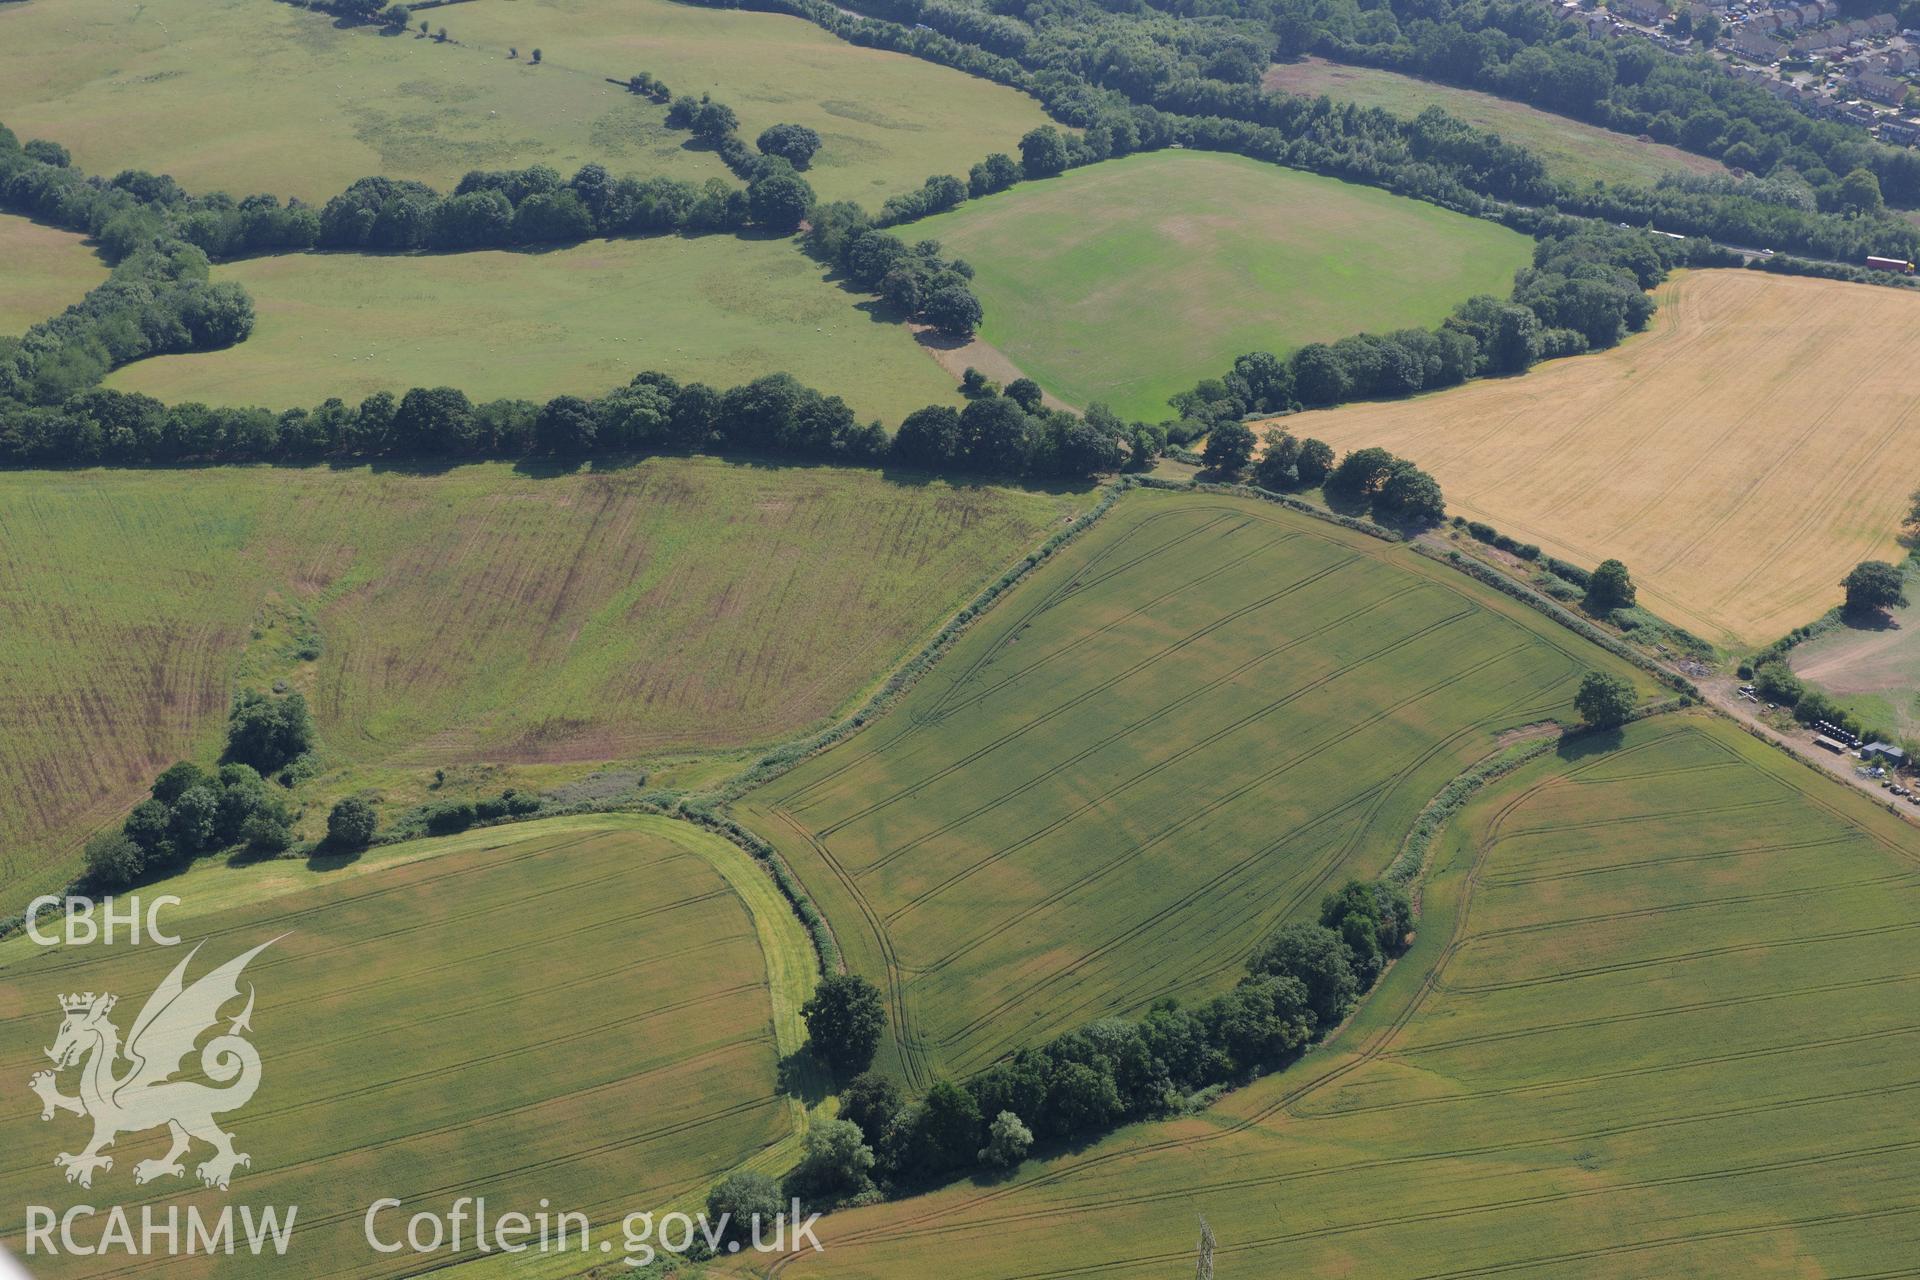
(1658, 1021)
(580, 320)
(1190, 724)
(1740, 457)
(483, 614)
(1130, 280)
(577, 1009)
(43, 271)
(1573, 152)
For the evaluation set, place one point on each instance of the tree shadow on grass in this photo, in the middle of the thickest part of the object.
(803, 1076)
(1871, 619)
(1582, 744)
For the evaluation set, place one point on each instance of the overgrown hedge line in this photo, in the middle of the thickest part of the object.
(1540, 604)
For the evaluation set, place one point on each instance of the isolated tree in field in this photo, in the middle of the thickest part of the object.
(845, 1017)
(1043, 152)
(351, 823)
(424, 26)
(1605, 701)
(741, 1198)
(1008, 1141)
(1609, 588)
(794, 143)
(1874, 584)
(441, 35)
(536, 55)
(1229, 448)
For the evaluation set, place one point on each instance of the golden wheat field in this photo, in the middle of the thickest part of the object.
(1740, 456)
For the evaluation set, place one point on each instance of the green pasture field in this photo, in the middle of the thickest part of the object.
(479, 615)
(43, 271)
(258, 95)
(583, 320)
(578, 1009)
(1659, 1021)
(886, 120)
(1572, 151)
(1188, 726)
(1131, 280)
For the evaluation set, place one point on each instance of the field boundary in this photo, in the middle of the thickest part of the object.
(782, 759)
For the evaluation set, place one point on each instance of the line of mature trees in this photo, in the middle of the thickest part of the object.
(1151, 77)
(1010, 435)
(1586, 290)
(1301, 982)
(915, 279)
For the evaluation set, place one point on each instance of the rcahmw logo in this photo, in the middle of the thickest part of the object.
(145, 1094)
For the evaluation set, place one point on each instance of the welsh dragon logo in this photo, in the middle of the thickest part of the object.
(144, 1095)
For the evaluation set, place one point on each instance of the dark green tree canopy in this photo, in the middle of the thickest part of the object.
(1874, 584)
(1605, 701)
(845, 1017)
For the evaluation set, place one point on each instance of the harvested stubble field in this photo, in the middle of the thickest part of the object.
(1740, 457)
(43, 271)
(580, 320)
(1659, 1022)
(577, 1009)
(1188, 726)
(1131, 280)
(482, 614)
(1573, 151)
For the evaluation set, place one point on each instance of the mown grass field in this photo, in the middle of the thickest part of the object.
(1873, 671)
(1201, 716)
(241, 96)
(577, 1009)
(1740, 457)
(477, 615)
(1659, 1022)
(886, 120)
(582, 320)
(1572, 151)
(43, 271)
(1131, 280)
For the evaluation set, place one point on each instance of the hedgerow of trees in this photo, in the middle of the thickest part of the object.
(191, 811)
(1300, 983)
